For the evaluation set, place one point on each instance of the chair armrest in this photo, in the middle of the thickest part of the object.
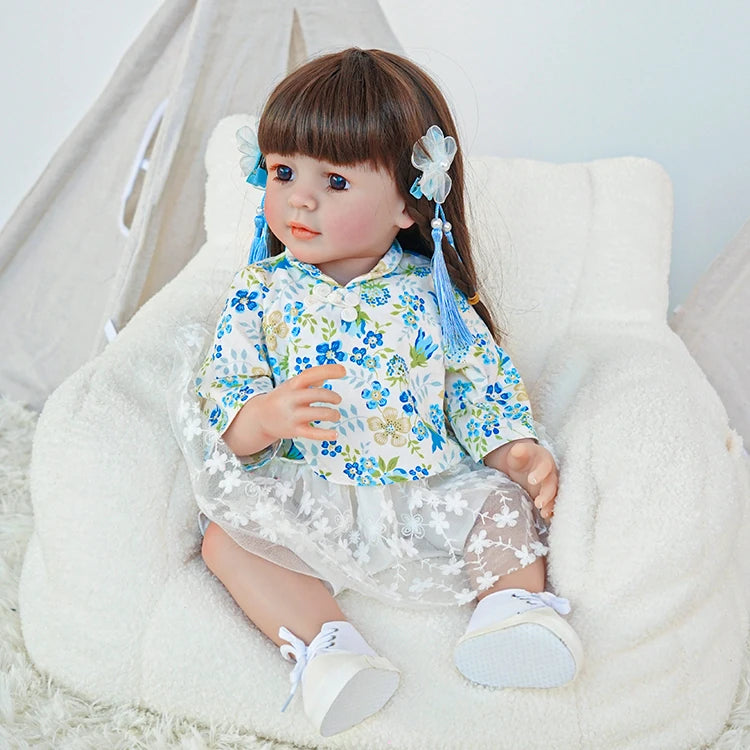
(651, 494)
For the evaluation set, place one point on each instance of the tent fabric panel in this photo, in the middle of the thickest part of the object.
(62, 246)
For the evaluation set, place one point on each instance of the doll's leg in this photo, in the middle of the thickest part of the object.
(516, 636)
(270, 595)
(531, 578)
(506, 529)
(343, 680)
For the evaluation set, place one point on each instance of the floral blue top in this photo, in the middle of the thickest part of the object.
(408, 409)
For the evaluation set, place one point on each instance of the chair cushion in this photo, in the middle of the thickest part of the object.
(117, 604)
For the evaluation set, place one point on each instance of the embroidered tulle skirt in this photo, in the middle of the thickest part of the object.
(437, 540)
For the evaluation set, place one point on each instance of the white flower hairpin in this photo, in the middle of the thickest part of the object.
(252, 161)
(433, 155)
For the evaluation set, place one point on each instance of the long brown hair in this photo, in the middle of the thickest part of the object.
(372, 106)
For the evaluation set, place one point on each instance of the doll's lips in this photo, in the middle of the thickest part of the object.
(301, 232)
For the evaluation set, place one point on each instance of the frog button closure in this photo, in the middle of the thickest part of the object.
(349, 302)
(346, 300)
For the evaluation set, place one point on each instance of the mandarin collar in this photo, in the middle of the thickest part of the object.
(384, 266)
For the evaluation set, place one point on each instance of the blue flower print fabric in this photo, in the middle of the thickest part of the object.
(408, 409)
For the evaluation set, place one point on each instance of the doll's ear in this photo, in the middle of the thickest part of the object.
(403, 220)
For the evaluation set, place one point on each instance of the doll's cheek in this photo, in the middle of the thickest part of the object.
(274, 217)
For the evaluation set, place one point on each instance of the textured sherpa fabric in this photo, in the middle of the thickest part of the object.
(117, 604)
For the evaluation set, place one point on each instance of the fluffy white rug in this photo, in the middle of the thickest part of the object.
(35, 712)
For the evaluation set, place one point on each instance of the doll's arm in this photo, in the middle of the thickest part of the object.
(286, 412)
(485, 402)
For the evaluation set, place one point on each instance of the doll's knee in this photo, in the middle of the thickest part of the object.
(214, 545)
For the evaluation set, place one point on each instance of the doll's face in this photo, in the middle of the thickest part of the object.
(341, 219)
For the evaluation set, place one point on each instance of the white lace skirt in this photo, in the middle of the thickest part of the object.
(436, 540)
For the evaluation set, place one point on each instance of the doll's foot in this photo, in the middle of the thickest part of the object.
(516, 639)
(343, 680)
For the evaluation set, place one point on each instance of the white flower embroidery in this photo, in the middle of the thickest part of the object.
(453, 568)
(539, 549)
(486, 580)
(388, 514)
(322, 526)
(412, 525)
(183, 410)
(465, 596)
(263, 512)
(284, 490)
(206, 504)
(306, 503)
(438, 521)
(400, 546)
(455, 503)
(236, 518)
(341, 552)
(286, 528)
(524, 556)
(362, 553)
(417, 499)
(479, 542)
(408, 548)
(266, 532)
(192, 428)
(419, 585)
(217, 462)
(506, 517)
(230, 481)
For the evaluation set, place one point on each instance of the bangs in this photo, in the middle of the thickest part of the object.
(342, 111)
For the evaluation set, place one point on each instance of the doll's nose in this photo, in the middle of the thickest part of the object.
(302, 198)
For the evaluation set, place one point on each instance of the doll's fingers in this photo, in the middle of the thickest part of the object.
(312, 395)
(316, 433)
(318, 414)
(547, 494)
(542, 471)
(547, 510)
(518, 456)
(317, 375)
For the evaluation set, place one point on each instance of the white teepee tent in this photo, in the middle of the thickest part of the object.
(119, 210)
(714, 323)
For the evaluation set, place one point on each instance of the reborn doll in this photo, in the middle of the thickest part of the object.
(354, 423)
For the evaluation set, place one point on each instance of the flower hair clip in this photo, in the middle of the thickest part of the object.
(252, 163)
(253, 167)
(433, 155)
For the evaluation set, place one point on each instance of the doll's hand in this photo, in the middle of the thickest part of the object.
(285, 412)
(533, 467)
(530, 465)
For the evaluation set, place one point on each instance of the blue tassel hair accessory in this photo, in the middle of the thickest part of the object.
(433, 154)
(254, 168)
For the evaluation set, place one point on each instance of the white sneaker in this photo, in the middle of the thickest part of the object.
(516, 639)
(343, 680)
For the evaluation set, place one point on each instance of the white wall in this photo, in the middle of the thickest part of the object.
(560, 81)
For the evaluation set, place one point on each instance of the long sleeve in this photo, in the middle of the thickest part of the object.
(485, 400)
(237, 366)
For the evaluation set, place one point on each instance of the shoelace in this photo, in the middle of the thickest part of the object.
(303, 654)
(546, 598)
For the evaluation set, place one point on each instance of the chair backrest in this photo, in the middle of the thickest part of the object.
(559, 248)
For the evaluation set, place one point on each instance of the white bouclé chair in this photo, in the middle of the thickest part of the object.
(117, 604)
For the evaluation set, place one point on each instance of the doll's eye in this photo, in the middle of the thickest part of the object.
(283, 173)
(337, 182)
